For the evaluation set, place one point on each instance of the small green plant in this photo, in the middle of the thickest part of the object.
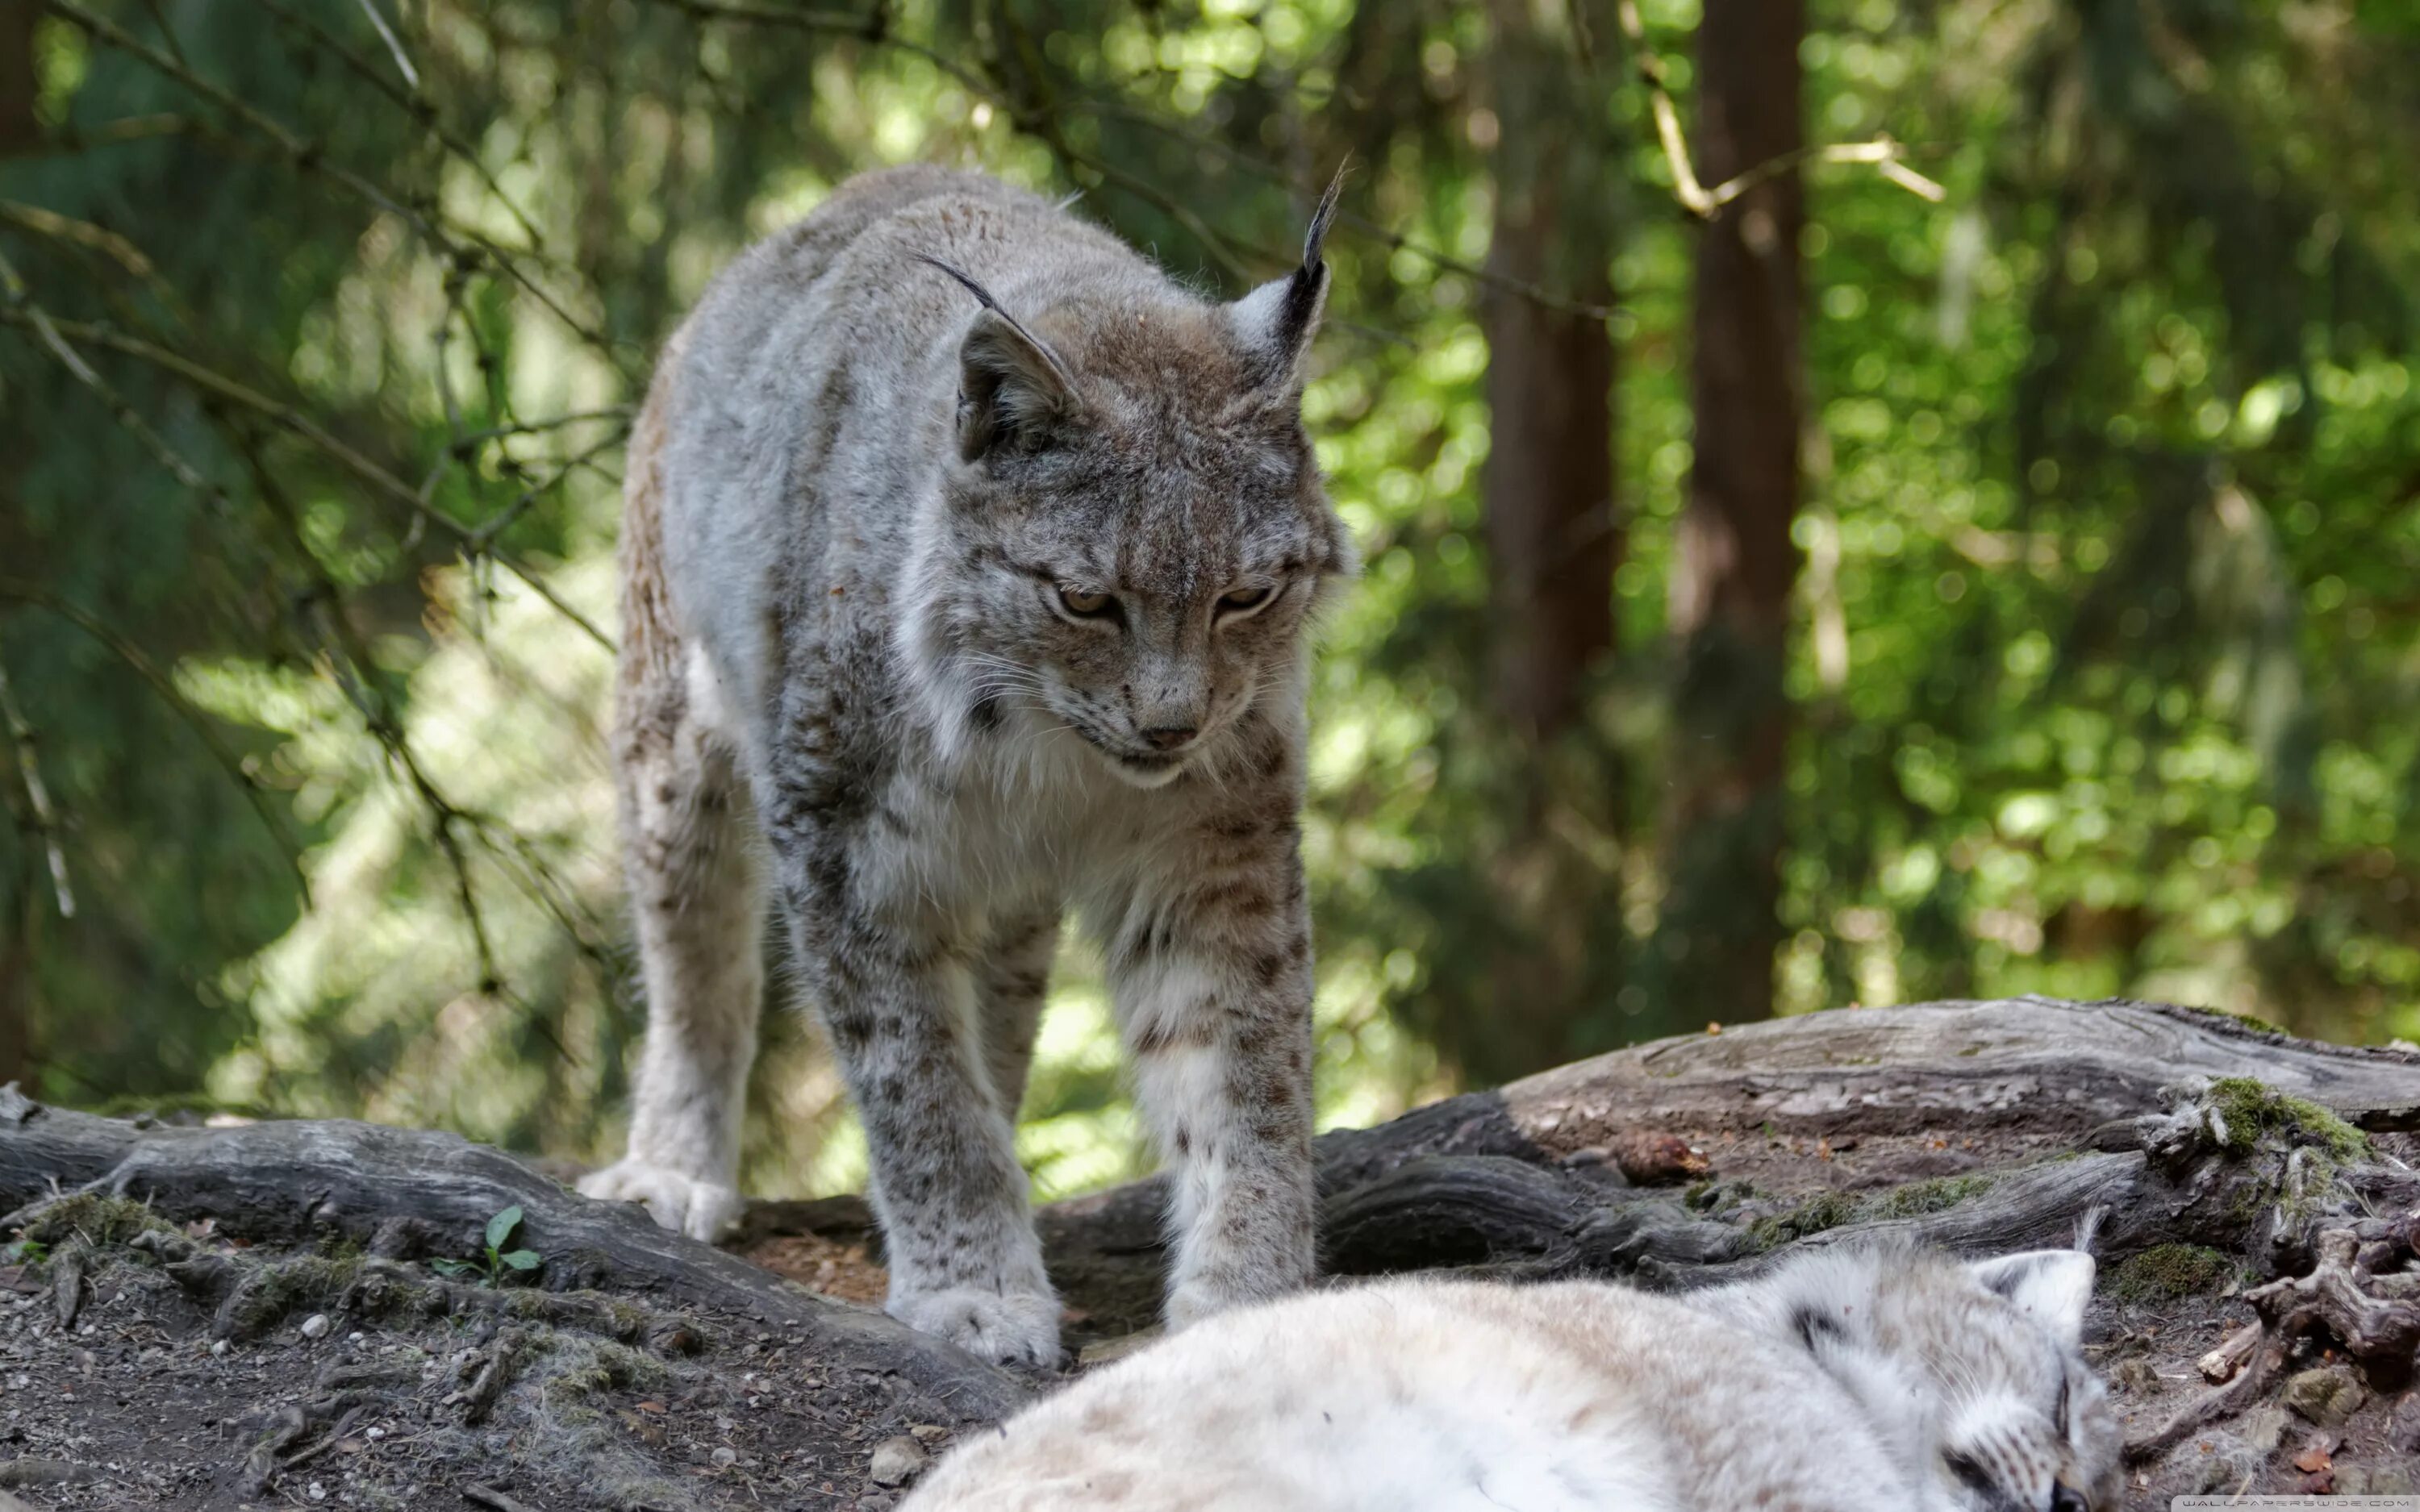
(489, 1270)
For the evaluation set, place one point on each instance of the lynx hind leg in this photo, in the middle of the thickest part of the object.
(1010, 986)
(690, 856)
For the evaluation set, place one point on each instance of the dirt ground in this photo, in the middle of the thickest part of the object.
(336, 1392)
(195, 1371)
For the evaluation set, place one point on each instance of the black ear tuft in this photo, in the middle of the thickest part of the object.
(1815, 1327)
(1011, 385)
(1276, 319)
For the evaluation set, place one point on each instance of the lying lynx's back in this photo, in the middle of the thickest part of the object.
(1428, 1395)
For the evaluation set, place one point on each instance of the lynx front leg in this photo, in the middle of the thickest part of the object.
(690, 854)
(901, 1006)
(1010, 984)
(1212, 988)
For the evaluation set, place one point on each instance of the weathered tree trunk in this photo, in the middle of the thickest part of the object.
(1552, 531)
(1734, 562)
(1548, 485)
(2238, 1224)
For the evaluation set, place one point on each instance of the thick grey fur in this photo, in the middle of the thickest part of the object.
(863, 511)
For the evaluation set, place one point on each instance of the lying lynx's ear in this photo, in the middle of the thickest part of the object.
(1012, 387)
(1276, 320)
(2052, 1286)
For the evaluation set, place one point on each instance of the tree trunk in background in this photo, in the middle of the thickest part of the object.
(18, 126)
(1551, 532)
(18, 130)
(1734, 560)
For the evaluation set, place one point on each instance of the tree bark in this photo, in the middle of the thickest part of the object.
(1734, 562)
(1553, 533)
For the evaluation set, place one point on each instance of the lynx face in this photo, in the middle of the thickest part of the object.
(2027, 1425)
(1138, 526)
(1975, 1372)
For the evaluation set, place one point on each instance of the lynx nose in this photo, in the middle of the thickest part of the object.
(1169, 736)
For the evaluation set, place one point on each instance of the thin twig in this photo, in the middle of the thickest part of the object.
(393, 45)
(57, 333)
(20, 590)
(1885, 154)
(310, 157)
(29, 770)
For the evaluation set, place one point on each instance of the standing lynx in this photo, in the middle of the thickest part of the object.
(966, 563)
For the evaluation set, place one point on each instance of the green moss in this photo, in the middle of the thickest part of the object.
(264, 1298)
(2250, 1021)
(596, 1366)
(1918, 1198)
(1833, 1210)
(94, 1217)
(1829, 1210)
(2168, 1272)
(2252, 1110)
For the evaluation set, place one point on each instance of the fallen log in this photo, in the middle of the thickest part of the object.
(2256, 1194)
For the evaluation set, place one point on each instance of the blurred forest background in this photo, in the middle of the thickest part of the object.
(1865, 500)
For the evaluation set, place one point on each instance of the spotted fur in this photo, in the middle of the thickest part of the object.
(1851, 1381)
(968, 569)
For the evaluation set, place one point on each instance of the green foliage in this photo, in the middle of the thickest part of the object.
(498, 1263)
(2103, 646)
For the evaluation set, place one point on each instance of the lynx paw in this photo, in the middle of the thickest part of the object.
(683, 1203)
(1017, 1327)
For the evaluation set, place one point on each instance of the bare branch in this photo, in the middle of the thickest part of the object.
(29, 771)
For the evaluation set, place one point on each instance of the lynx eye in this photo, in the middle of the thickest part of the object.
(1969, 1472)
(1085, 605)
(1244, 600)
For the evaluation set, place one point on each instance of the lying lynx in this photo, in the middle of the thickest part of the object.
(1879, 1380)
(966, 563)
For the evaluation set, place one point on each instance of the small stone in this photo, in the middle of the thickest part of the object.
(2326, 1395)
(725, 1457)
(897, 1462)
(929, 1432)
(315, 1326)
(2262, 1428)
(2132, 1376)
(374, 1434)
(219, 1348)
(2403, 1430)
(353, 1337)
(316, 1491)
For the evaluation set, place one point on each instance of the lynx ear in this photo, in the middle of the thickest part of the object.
(1276, 321)
(2050, 1285)
(1012, 387)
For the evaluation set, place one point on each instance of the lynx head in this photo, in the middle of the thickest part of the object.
(1974, 1373)
(1134, 531)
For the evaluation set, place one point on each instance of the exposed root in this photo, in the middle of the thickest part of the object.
(2221, 1364)
(2339, 1295)
(2266, 1364)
